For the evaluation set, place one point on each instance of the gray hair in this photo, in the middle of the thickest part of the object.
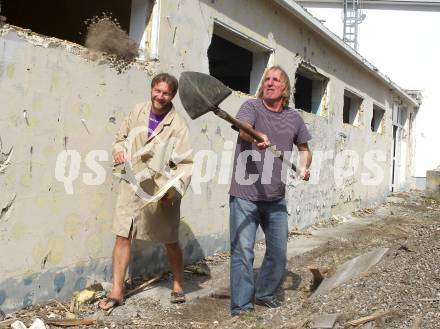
(284, 78)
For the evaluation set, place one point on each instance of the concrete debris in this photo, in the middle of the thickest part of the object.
(18, 325)
(303, 324)
(71, 323)
(218, 257)
(299, 232)
(37, 324)
(369, 318)
(199, 269)
(106, 286)
(85, 296)
(417, 323)
(362, 212)
(70, 316)
(368, 325)
(325, 321)
(144, 285)
(394, 199)
(350, 270)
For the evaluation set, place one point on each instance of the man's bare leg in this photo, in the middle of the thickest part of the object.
(175, 259)
(120, 259)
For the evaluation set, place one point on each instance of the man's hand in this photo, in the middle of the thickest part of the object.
(119, 157)
(265, 143)
(304, 173)
(260, 145)
(305, 160)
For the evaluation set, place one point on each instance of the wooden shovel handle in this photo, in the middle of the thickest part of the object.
(251, 132)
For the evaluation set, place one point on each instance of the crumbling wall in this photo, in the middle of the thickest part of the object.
(60, 110)
(55, 227)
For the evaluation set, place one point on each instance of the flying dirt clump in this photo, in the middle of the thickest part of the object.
(105, 34)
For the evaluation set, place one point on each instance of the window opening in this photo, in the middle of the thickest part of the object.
(237, 60)
(310, 88)
(377, 121)
(352, 104)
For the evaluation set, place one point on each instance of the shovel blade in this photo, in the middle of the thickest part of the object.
(201, 93)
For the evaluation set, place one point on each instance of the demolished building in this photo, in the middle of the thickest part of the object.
(60, 108)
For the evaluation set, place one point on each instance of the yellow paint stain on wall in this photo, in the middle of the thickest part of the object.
(72, 224)
(49, 201)
(96, 201)
(55, 84)
(18, 231)
(119, 116)
(42, 201)
(56, 250)
(37, 105)
(104, 220)
(26, 180)
(10, 70)
(68, 127)
(56, 203)
(32, 122)
(111, 128)
(39, 251)
(11, 179)
(94, 245)
(49, 151)
(82, 110)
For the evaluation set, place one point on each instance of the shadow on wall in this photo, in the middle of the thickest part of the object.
(150, 257)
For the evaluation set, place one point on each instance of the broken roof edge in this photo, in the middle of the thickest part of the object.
(302, 14)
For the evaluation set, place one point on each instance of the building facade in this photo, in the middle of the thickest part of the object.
(60, 106)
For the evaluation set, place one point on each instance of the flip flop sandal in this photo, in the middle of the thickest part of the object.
(110, 303)
(177, 297)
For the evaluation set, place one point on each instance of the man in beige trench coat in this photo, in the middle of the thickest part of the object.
(153, 147)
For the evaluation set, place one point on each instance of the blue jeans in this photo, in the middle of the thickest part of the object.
(245, 216)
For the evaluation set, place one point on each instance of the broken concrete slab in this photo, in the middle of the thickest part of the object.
(324, 321)
(351, 269)
(395, 199)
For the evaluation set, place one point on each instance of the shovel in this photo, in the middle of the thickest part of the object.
(201, 93)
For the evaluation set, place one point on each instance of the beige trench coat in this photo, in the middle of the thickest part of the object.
(152, 162)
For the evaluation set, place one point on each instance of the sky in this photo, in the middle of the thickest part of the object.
(404, 45)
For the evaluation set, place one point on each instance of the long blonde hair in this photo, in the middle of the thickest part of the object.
(285, 79)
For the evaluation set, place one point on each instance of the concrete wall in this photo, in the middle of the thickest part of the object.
(55, 98)
(433, 184)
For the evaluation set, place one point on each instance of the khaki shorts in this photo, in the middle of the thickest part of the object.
(152, 221)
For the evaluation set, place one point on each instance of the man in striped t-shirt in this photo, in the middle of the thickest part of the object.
(257, 193)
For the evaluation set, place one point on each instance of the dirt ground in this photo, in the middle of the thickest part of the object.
(405, 282)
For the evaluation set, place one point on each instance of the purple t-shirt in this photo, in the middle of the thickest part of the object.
(257, 175)
(154, 121)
